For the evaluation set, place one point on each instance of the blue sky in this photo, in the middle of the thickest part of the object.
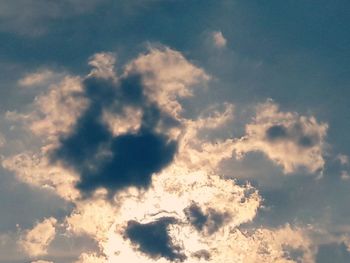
(94, 96)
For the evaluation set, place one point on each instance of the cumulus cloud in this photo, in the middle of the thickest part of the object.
(37, 78)
(145, 170)
(36, 169)
(219, 39)
(290, 140)
(103, 65)
(167, 76)
(55, 111)
(36, 241)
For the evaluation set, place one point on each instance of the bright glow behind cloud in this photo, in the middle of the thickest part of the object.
(197, 212)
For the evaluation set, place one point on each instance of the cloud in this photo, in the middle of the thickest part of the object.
(210, 221)
(36, 169)
(103, 65)
(41, 77)
(153, 239)
(219, 39)
(42, 261)
(115, 162)
(54, 111)
(36, 241)
(288, 139)
(167, 76)
(123, 141)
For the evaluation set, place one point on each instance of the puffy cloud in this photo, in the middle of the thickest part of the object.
(37, 170)
(200, 153)
(42, 261)
(37, 78)
(92, 217)
(103, 64)
(129, 121)
(167, 76)
(219, 39)
(149, 171)
(36, 241)
(290, 140)
(54, 112)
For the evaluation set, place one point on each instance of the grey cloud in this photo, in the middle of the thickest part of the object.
(209, 221)
(116, 162)
(153, 239)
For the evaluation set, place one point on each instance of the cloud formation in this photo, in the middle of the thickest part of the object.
(153, 239)
(36, 241)
(145, 170)
(288, 139)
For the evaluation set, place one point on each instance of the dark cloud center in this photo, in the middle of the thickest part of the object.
(153, 239)
(116, 162)
(210, 221)
(294, 133)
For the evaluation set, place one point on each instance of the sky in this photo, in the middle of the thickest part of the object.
(174, 131)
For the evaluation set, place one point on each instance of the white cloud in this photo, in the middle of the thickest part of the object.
(219, 39)
(128, 121)
(103, 65)
(36, 241)
(167, 76)
(200, 153)
(55, 111)
(290, 140)
(39, 78)
(37, 170)
(42, 261)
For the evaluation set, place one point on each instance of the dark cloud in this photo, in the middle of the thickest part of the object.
(210, 221)
(153, 239)
(276, 132)
(116, 162)
(295, 133)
